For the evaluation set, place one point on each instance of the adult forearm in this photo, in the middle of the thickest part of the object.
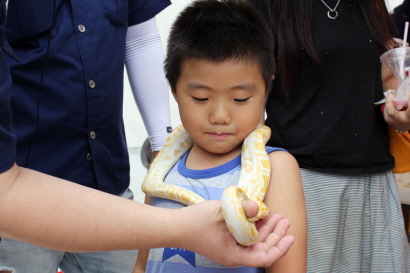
(144, 59)
(57, 214)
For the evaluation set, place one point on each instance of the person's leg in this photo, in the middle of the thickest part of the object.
(387, 238)
(354, 223)
(99, 262)
(24, 257)
(324, 194)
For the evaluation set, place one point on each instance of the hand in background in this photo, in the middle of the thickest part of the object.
(399, 120)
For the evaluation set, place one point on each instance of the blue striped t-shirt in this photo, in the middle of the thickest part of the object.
(208, 183)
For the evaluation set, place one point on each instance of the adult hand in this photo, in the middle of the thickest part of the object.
(398, 119)
(204, 232)
(399, 42)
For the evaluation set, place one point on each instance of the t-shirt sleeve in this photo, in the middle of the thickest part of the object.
(274, 149)
(142, 10)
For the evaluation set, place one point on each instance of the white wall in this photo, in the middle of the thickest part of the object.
(134, 126)
(391, 4)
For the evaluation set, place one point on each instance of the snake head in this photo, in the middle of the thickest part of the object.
(243, 230)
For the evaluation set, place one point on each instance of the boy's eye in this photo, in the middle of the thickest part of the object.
(241, 100)
(200, 99)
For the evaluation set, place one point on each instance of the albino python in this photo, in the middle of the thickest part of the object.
(253, 181)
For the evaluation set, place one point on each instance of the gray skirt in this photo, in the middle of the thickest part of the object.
(355, 223)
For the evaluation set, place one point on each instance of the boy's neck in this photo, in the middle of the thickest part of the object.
(200, 159)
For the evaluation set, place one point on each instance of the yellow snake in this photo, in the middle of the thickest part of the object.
(253, 181)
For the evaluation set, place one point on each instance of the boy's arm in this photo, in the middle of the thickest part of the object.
(285, 196)
(142, 258)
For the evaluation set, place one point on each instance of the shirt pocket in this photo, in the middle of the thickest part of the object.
(116, 11)
(27, 18)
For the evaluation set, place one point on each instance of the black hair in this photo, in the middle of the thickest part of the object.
(296, 31)
(219, 31)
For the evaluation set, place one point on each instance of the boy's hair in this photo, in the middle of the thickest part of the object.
(218, 31)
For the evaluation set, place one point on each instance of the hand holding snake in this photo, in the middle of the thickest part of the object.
(253, 181)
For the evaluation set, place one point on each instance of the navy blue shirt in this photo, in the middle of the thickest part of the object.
(7, 140)
(80, 134)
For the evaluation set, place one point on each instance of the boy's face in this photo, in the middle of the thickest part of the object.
(220, 103)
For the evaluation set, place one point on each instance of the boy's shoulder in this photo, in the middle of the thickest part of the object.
(270, 149)
(280, 158)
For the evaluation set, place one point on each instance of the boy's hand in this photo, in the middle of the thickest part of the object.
(205, 233)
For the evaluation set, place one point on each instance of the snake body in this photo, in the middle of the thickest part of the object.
(253, 181)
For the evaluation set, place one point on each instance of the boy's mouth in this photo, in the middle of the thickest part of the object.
(219, 136)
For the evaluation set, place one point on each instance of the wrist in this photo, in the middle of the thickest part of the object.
(176, 233)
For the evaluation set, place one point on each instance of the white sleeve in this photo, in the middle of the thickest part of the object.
(144, 59)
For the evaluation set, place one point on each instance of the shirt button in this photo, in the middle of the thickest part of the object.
(92, 134)
(89, 157)
(81, 28)
(91, 83)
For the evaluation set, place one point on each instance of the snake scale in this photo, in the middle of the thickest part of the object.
(253, 182)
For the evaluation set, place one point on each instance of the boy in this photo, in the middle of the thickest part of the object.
(220, 66)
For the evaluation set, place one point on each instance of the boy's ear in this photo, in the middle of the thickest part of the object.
(267, 92)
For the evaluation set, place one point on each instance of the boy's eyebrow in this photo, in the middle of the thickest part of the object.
(195, 85)
(244, 86)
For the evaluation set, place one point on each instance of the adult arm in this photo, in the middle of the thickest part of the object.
(57, 214)
(285, 196)
(397, 119)
(144, 60)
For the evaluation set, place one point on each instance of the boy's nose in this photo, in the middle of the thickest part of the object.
(220, 115)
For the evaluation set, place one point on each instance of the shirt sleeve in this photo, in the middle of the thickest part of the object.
(142, 10)
(7, 138)
(144, 59)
